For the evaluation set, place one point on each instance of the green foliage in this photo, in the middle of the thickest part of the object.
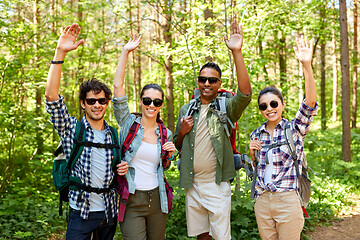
(28, 202)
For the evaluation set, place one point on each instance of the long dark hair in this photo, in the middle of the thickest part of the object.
(152, 86)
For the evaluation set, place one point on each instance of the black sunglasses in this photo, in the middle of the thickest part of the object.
(92, 101)
(147, 101)
(264, 106)
(212, 80)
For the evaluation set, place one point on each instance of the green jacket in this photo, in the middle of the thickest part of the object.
(225, 169)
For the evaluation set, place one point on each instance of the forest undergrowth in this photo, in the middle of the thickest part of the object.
(29, 205)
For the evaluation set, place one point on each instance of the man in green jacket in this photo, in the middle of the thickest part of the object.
(207, 162)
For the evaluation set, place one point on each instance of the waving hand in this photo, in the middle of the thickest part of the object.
(303, 50)
(67, 39)
(236, 37)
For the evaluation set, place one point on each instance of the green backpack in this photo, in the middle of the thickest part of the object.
(62, 167)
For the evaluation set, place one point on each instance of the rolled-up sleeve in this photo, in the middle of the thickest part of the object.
(237, 105)
(60, 116)
(121, 110)
(304, 118)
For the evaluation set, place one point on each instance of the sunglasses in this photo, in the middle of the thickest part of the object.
(264, 106)
(147, 101)
(212, 80)
(92, 101)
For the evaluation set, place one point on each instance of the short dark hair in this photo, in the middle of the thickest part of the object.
(273, 90)
(211, 65)
(93, 85)
(153, 86)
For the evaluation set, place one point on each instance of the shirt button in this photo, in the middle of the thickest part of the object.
(190, 173)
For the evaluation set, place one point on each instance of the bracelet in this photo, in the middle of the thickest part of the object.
(56, 62)
(172, 157)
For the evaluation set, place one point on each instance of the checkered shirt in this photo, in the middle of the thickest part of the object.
(284, 172)
(65, 127)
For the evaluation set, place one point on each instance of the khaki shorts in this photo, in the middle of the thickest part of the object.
(208, 208)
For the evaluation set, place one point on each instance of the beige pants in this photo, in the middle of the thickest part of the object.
(279, 216)
(208, 207)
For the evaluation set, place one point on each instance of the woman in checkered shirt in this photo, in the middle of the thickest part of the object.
(277, 205)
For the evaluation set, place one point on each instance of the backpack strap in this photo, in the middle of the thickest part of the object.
(129, 138)
(80, 136)
(116, 150)
(163, 140)
(219, 107)
(290, 142)
(192, 108)
(123, 191)
(122, 184)
(252, 194)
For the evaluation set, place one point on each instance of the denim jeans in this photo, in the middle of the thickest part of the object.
(95, 225)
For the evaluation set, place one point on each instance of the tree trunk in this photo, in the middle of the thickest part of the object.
(169, 82)
(282, 59)
(135, 88)
(322, 65)
(53, 15)
(208, 14)
(38, 94)
(138, 57)
(355, 60)
(79, 75)
(334, 100)
(346, 140)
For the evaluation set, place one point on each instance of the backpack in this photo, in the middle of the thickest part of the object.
(304, 183)
(62, 167)
(122, 184)
(240, 160)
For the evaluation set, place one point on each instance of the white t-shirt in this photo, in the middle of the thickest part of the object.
(97, 173)
(269, 168)
(146, 162)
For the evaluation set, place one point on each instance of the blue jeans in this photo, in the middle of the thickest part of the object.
(95, 225)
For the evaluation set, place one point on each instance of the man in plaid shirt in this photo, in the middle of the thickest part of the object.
(91, 214)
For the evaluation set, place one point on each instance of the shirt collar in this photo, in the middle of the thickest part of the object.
(280, 125)
(88, 126)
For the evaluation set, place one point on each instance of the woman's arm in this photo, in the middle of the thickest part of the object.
(120, 69)
(303, 52)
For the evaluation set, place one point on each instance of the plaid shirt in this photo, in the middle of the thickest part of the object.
(284, 173)
(65, 127)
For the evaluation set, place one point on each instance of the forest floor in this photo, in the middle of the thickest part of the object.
(345, 227)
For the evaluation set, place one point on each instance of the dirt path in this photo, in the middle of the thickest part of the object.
(345, 228)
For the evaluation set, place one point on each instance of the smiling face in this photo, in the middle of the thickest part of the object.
(150, 111)
(209, 91)
(96, 111)
(272, 112)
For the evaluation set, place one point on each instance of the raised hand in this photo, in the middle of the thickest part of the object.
(303, 50)
(67, 39)
(236, 37)
(133, 43)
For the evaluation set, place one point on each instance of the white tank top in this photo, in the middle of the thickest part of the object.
(146, 162)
